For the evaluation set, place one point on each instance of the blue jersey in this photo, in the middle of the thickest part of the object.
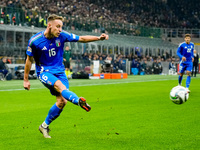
(186, 50)
(48, 53)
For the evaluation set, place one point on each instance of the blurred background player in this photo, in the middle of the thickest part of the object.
(185, 53)
(67, 56)
(195, 63)
(46, 47)
(3, 68)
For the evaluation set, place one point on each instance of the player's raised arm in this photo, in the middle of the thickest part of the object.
(89, 38)
(27, 69)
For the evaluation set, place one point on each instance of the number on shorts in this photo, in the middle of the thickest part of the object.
(44, 78)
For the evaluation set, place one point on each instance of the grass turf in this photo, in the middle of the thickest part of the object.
(135, 113)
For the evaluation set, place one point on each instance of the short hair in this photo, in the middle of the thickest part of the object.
(187, 35)
(54, 17)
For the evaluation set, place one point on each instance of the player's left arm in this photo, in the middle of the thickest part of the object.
(89, 38)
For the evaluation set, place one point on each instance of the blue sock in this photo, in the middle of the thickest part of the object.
(70, 96)
(180, 79)
(54, 112)
(188, 80)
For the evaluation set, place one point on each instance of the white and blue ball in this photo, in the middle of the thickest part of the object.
(179, 95)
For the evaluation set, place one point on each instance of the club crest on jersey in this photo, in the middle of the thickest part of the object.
(58, 44)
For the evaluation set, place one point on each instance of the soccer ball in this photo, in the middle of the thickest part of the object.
(179, 95)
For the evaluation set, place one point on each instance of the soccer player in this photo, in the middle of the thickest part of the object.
(67, 58)
(185, 53)
(46, 48)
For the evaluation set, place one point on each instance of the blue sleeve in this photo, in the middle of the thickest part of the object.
(179, 51)
(69, 37)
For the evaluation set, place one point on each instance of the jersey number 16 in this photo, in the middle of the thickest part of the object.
(52, 52)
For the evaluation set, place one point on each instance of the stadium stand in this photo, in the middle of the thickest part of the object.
(154, 13)
(130, 18)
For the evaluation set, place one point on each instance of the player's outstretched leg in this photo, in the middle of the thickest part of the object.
(72, 97)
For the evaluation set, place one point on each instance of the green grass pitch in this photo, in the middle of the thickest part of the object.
(129, 114)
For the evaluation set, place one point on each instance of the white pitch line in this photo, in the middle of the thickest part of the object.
(119, 82)
(90, 84)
